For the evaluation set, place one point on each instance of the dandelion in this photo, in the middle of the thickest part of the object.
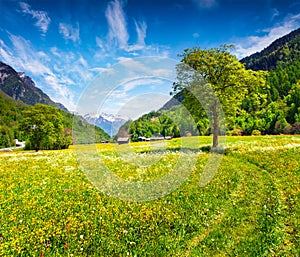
(20, 221)
(81, 236)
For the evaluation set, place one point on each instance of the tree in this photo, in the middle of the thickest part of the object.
(6, 136)
(43, 126)
(217, 78)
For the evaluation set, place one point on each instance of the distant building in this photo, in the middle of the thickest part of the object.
(157, 138)
(19, 144)
(143, 139)
(123, 140)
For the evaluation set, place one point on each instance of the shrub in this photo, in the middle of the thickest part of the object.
(279, 126)
(256, 132)
(206, 148)
(296, 128)
(236, 132)
(288, 129)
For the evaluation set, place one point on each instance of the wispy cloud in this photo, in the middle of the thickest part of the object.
(41, 17)
(44, 68)
(128, 79)
(130, 85)
(252, 44)
(136, 97)
(196, 35)
(206, 4)
(118, 37)
(102, 70)
(70, 32)
(141, 104)
(141, 28)
(117, 24)
(21, 56)
(274, 13)
(148, 67)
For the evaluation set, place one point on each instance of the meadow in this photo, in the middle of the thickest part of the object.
(249, 207)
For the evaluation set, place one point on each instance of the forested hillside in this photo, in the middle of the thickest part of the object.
(280, 114)
(282, 52)
(273, 108)
(11, 115)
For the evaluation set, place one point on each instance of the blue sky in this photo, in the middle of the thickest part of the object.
(65, 45)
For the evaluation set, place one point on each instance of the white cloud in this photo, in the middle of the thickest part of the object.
(137, 88)
(196, 35)
(41, 17)
(37, 64)
(101, 70)
(137, 106)
(22, 56)
(132, 84)
(275, 13)
(141, 67)
(5, 53)
(252, 44)
(206, 3)
(69, 32)
(117, 24)
(63, 93)
(141, 28)
(125, 59)
(79, 70)
(55, 52)
(117, 39)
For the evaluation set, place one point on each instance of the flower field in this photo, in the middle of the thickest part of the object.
(251, 207)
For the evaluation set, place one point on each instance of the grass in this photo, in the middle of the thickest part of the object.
(48, 206)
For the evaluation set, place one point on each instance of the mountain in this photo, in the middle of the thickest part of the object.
(11, 114)
(108, 122)
(282, 51)
(174, 101)
(21, 87)
(276, 109)
(18, 93)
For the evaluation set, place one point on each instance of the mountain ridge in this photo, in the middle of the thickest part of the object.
(108, 122)
(277, 110)
(18, 93)
(283, 50)
(263, 57)
(21, 87)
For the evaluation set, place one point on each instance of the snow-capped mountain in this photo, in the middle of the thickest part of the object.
(108, 122)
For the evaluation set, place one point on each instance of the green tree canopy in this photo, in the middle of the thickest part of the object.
(218, 79)
(43, 127)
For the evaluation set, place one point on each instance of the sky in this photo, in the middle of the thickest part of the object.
(70, 47)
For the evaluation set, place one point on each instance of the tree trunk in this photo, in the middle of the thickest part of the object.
(215, 125)
(37, 148)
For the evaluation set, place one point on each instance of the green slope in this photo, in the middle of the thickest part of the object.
(11, 114)
(282, 52)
